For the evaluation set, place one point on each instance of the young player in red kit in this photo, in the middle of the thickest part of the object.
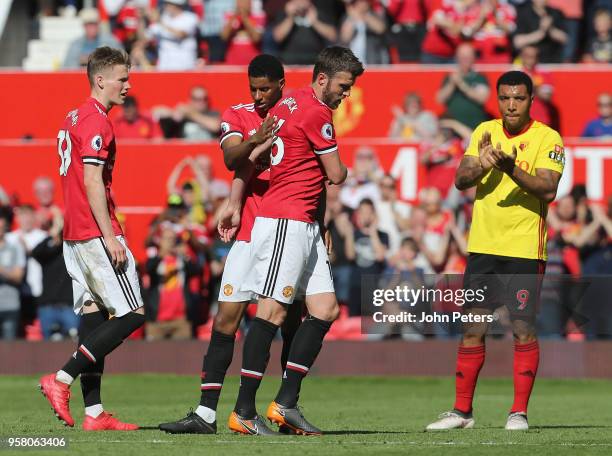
(288, 256)
(246, 133)
(97, 258)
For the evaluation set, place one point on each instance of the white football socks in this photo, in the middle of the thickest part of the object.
(94, 411)
(64, 377)
(207, 414)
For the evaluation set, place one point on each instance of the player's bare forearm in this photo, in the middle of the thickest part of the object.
(96, 196)
(469, 173)
(543, 185)
(239, 184)
(236, 155)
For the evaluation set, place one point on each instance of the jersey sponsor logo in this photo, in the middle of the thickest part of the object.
(557, 155)
(523, 164)
(522, 296)
(96, 143)
(523, 146)
(228, 290)
(288, 292)
(290, 103)
(225, 127)
(327, 131)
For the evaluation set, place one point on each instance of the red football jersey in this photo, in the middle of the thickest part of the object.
(86, 137)
(242, 120)
(305, 129)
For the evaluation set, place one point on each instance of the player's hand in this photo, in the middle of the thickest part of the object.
(329, 243)
(266, 130)
(503, 161)
(229, 222)
(484, 151)
(117, 252)
(311, 14)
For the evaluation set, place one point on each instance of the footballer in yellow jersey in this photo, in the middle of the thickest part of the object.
(516, 164)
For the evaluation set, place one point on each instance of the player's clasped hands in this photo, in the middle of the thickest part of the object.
(494, 157)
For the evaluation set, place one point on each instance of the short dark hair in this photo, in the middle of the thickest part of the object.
(515, 78)
(410, 242)
(366, 202)
(266, 66)
(105, 57)
(334, 59)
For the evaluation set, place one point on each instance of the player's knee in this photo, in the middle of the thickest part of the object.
(133, 321)
(471, 340)
(328, 313)
(226, 323)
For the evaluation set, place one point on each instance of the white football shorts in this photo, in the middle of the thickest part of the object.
(234, 272)
(288, 258)
(95, 279)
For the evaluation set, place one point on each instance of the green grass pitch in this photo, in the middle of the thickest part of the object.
(361, 415)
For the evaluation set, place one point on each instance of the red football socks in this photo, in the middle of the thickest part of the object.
(526, 360)
(469, 362)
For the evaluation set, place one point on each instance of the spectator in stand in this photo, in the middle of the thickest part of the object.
(243, 32)
(192, 120)
(408, 29)
(412, 122)
(55, 304)
(79, 49)
(393, 215)
(169, 271)
(444, 29)
(175, 31)
(125, 17)
(601, 128)
(12, 270)
(44, 192)
(29, 236)
(464, 92)
(541, 26)
(542, 109)
(363, 31)
(133, 124)
(599, 47)
(371, 247)
(363, 177)
(215, 12)
(573, 12)
(441, 154)
(301, 31)
(343, 239)
(432, 228)
(491, 31)
(403, 271)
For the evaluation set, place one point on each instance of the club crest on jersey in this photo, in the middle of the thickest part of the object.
(228, 290)
(327, 131)
(225, 127)
(523, 146)
(252, 132)
(96, 143)
(288, 292)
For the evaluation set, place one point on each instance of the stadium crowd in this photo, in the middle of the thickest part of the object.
(375, 234)
(186, 34)
(379, 241)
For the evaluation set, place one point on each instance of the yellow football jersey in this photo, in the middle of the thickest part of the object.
(507, 220)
